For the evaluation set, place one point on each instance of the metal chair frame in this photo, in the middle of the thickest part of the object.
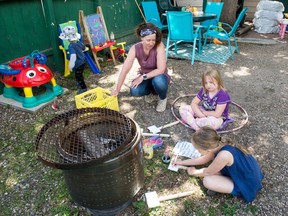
(221, 34)
(181, 29)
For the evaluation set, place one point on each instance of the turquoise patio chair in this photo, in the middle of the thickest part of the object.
(151, 13)
(215, 8)
(180, 29)
(213, 32)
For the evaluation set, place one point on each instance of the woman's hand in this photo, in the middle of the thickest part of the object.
(137, 81)
(114, 92)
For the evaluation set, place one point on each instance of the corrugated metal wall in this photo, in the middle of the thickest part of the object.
(30, 25)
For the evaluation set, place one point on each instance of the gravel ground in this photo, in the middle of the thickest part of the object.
(256, 79)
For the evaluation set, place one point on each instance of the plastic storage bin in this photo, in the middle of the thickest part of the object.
(97, 97)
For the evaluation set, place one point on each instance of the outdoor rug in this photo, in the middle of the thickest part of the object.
(214, 53)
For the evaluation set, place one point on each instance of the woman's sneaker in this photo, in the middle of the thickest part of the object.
(161, 106)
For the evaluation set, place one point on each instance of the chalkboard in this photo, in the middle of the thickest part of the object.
(96, 29)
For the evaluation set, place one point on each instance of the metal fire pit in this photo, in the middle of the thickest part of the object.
(99, 152)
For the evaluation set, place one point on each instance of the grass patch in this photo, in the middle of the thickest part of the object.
(229, 209)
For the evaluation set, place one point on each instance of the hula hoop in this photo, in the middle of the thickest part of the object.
(243, 111)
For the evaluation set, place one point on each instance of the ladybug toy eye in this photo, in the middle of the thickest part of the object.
(42, 69)
(30, 74)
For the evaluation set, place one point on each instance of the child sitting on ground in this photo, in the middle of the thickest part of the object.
(233, 170)
(213, 100)
(77, 57)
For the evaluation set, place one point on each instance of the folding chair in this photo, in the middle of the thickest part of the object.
(213, 32)
(215, 8)
(151, 13)
(180, 28)
(64, 47)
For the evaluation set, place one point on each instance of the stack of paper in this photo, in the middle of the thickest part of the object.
(185, 149)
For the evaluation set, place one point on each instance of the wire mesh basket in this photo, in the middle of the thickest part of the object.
(79, 137)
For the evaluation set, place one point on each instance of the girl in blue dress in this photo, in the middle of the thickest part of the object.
(232, 170)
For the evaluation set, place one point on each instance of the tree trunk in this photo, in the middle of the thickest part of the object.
(229, 10)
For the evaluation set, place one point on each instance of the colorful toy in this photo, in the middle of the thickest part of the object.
(154, 141)
(166, 157)
(148, 150)
(119, 51)
(27, 73)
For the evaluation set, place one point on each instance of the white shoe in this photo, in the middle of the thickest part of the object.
(150, 98)
(161, 106)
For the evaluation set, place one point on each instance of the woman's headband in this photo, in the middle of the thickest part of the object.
(147, 31)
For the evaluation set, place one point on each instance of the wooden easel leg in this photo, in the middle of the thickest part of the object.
(112, 54)
(96, 60)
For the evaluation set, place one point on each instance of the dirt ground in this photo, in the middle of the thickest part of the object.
(256, 79)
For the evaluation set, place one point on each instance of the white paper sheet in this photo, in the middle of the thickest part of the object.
(185, 149)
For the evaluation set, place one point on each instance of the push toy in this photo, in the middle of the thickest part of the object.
(29, 73)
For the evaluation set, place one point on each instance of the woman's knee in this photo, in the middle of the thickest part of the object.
(138, 92)
(160, 81)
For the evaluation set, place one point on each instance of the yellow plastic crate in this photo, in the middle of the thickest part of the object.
(97, 97)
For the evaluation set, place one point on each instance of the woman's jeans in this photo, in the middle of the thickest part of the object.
(156, 85)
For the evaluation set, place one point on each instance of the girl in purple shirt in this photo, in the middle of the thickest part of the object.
(210, 106)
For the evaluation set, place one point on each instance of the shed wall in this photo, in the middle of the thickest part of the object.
(29, 25)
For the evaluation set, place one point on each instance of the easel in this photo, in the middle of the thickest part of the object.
(95, 46)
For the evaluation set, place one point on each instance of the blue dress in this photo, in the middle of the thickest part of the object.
(245, 173)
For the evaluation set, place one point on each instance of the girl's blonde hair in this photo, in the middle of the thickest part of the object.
(207, 138)
(213, 74)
